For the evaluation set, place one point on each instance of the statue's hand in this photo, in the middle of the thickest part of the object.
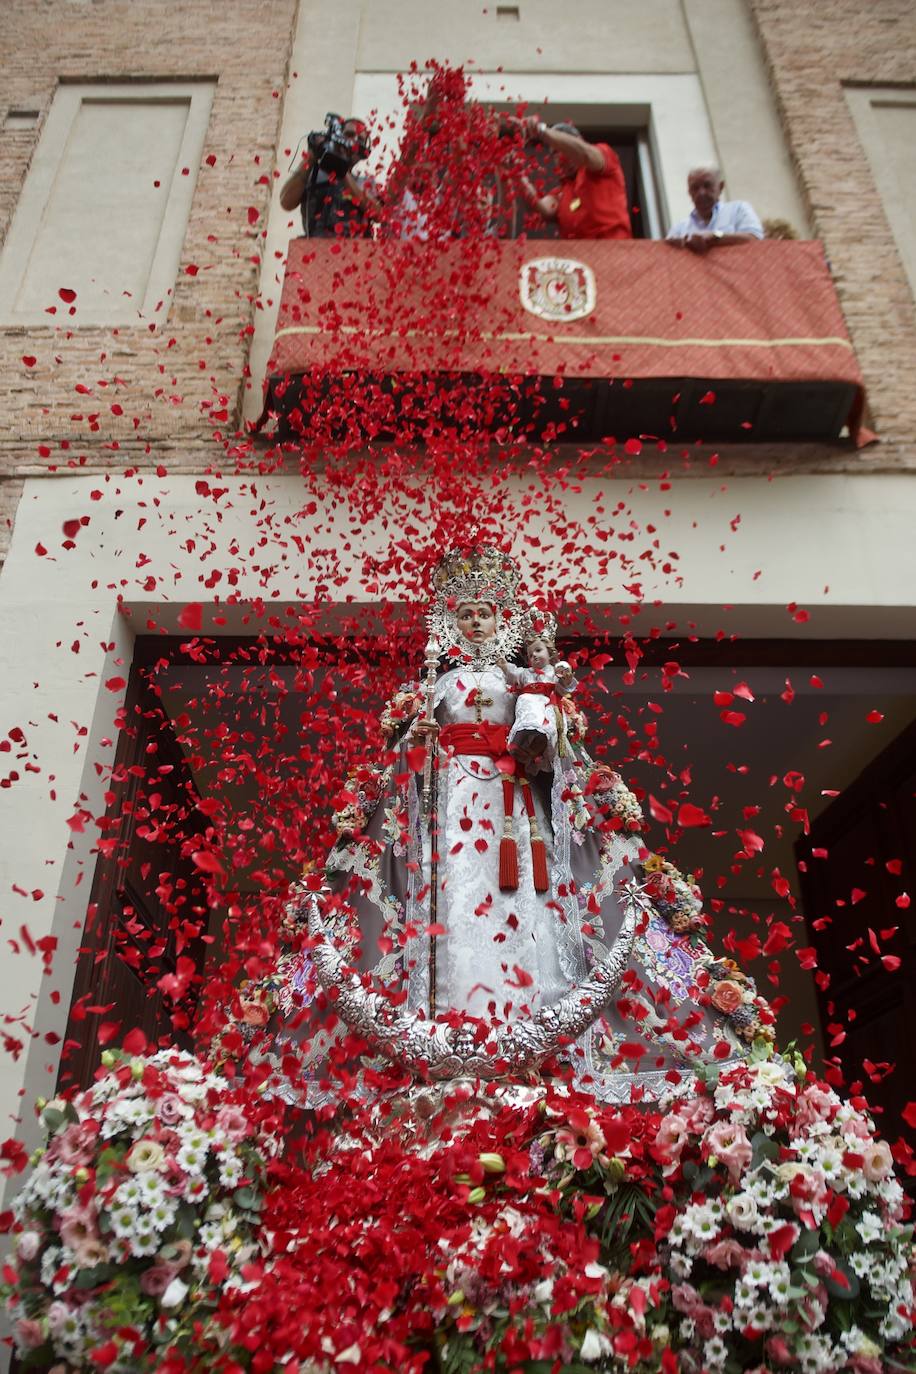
(423, 730)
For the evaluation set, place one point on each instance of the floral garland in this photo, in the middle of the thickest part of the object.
(755, 1225)
(143, 1207)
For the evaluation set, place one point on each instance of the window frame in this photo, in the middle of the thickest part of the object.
(38, 186)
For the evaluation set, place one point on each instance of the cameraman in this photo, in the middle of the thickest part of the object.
(333, 201)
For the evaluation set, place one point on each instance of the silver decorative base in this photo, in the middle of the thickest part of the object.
(437, 1050)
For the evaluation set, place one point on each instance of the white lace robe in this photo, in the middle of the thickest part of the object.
(499, 955)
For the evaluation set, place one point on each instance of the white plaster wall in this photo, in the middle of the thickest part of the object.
(840, 546)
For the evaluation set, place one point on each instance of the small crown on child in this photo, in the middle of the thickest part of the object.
(541, 625)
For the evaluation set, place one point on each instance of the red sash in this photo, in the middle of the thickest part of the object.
(484, 740)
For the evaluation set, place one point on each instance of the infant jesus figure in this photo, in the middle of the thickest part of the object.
(537, 689)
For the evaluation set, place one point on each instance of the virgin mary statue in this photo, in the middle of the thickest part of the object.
(491, 891)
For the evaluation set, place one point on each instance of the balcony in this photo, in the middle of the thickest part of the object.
(577, 341)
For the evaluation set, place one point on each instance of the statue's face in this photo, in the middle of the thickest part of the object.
(476, 621)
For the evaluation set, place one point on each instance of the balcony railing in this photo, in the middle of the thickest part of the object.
(577, 340)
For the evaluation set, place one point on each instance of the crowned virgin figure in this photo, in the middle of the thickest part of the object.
(491, 903)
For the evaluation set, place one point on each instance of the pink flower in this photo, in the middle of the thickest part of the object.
(698, 1111)
(76, 1145)
(725, 1254)
(28, 1333)
(90, 1252)
(878, 1161)
(78, 1225)
(730, 1145)
(582, 1141)
(155, 1280)
(686, 1299)
(857, 1126)
(814, 1104)
(171, 1109)
(232, 1123)
(28, 1245)
(672, 1135)
(58, 1314)
(778, 1351)
(813, 1308)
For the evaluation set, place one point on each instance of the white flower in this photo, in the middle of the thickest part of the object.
(192, 1159)
(145, 1239)
(123, 1221)
(543, 1292)
(700, 1222)
(870, 1227)
(231, 1170)
(595, 1345)
(780, 1283)
(50, 1263)
(175, 1294)
(715, 1352)
(129, 1194)
(742, 1211)
(163, 1214)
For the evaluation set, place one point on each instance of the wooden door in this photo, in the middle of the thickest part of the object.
(148, 905)
(850, 894)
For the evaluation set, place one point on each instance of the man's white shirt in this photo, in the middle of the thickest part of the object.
(728, 217)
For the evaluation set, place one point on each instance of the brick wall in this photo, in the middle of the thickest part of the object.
(199, 352)
(811, 48)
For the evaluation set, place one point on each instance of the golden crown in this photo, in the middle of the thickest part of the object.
(482, 574)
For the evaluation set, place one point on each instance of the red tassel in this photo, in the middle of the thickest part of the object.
(539, 866)
(508, 864)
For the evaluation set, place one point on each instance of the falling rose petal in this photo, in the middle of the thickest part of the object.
(67, 294)
(875, 717)
(29, 360)
(191, 270)
(891, 962)
(135, 1042)
(690, 816)
(116, 684)
(207, 861)
(253, 215)
(107, 1031)
(659, 812)
(190, 617)
(72, 528)
(778, 938)
(894, 866)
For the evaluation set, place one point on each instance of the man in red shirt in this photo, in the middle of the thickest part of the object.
(591, 201)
